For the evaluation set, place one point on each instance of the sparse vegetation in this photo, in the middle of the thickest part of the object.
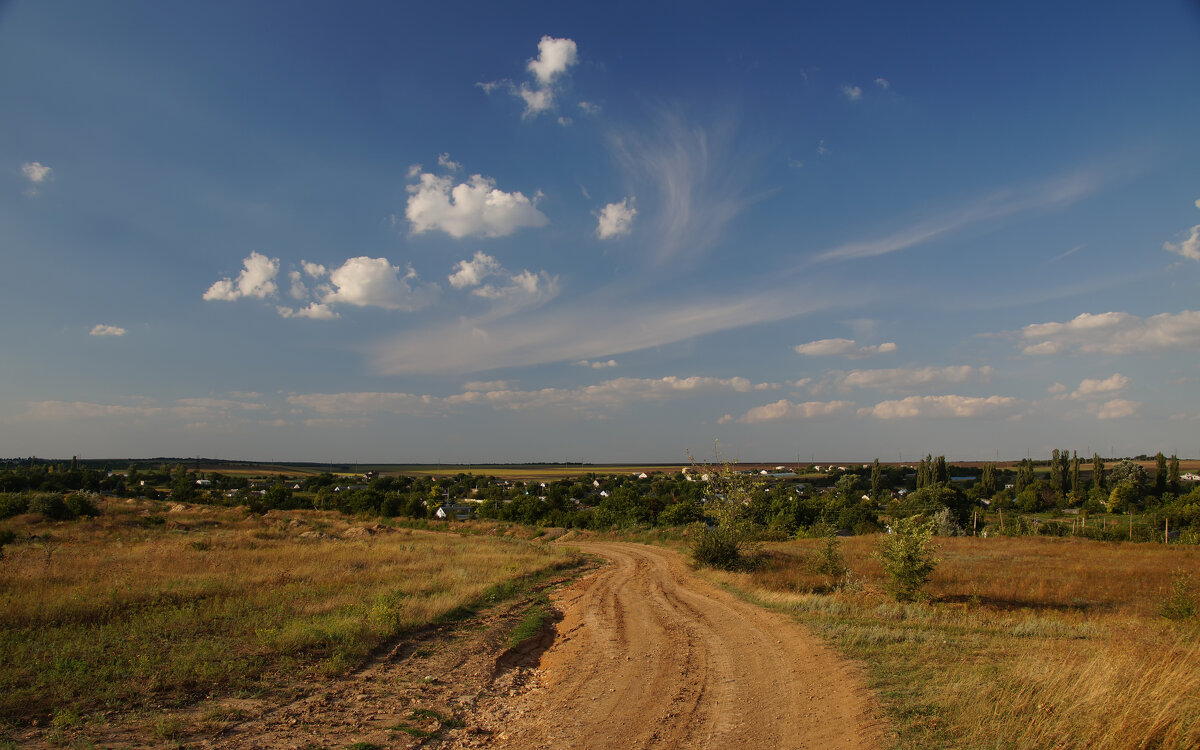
(113, 613)
(1023, 642)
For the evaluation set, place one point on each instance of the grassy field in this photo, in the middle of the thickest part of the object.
(1025, 642)
(148, 607)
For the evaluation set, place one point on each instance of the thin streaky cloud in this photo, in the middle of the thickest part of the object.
(1057, 193)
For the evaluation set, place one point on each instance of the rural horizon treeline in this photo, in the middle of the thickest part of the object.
(859, 499)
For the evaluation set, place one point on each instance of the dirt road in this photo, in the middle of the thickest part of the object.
(650, 656)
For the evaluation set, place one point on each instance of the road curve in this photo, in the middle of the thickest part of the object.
(648, 655)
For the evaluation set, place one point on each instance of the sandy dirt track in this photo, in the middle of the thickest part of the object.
(648, 655)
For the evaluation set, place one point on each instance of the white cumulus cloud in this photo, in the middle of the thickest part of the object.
(785, 409)
(1118, 408)
(1188, 248)
(1114, 333)
(523, 288)
(939, 406)
(1097, 386)
(909, 379)
(375, 282)
(616, 219)
(853, 93)
(843, 348)
(554, 57)
(472, 208)
(103, 330)
(257, 279)
(883, 83)
(313, 311)
(36, 172)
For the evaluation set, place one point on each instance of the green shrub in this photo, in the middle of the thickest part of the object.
(1180, 602)
(50, 505)
(6, 537)
(13, 505)
(906, 555)
(716, 546)
(81, 505)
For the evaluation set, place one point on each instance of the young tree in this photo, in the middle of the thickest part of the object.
(828, 560)
(907, 557)
(723, 543)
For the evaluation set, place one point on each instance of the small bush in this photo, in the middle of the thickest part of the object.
(716, 547)
(1180, 602)
(13, 505)
(6, 537)
(50, 505)
(81, 505)
(907, 558)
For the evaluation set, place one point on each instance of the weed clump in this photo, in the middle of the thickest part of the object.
(1180, 602)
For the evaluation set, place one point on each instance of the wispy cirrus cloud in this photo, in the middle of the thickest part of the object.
(697, 184)
(1054, 194)
(595, 327)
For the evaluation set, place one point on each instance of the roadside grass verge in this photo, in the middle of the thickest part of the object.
(117, 614)
(1024, 643)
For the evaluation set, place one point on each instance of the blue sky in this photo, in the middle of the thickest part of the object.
(376, 232)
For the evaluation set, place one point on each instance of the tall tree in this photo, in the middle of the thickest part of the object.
(1055, 472)
(941, 471)
(1160, 474)
(987, 481)
(1064, 472)
(876, 480)
(1076, 482)
(1097, 472)
(1173, 474)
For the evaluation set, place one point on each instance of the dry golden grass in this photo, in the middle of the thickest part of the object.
(1025, 643)
(142, 607)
